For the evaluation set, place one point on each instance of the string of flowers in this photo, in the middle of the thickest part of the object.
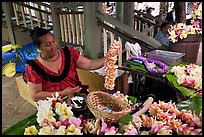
(110, 65)
(188, 75)
(151, 68)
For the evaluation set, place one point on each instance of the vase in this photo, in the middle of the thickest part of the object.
(189, 46)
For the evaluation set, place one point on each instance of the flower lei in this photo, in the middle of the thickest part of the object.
(110, 67)
(188, 75)
(164, 67)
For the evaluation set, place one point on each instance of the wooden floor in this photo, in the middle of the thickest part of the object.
(14, 107)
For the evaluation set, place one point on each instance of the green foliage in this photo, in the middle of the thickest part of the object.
(173, 80)
(124, 121)
(194, 104)
(19, 128)
(132, 100)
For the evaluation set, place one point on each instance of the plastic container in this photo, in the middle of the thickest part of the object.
(171, 58)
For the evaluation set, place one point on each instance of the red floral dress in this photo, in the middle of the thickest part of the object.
(51, 81)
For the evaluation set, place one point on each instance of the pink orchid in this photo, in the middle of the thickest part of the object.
(130, 130)
(106, 129)
(195, 23)
(75, 121)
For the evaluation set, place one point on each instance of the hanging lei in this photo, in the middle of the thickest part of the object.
(147, 61)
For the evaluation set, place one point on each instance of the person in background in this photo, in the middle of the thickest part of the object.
(171, 17)
(54, 69)
(163, 36)
(149, 11)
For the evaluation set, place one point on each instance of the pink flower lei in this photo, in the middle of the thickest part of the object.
(164, 67)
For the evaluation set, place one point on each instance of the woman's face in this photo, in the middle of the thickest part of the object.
(167, 28)
(48, 45)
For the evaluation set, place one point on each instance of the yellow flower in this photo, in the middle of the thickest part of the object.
(197, 12)
(63, 111)
(193, 31)
(31, 130)
(184, 34)
(72, 130)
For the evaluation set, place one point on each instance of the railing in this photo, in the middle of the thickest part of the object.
(146, 24)
(72, 27)
(32, 14)
(71, 20)
(113, 29)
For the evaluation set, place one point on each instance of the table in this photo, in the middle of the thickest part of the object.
(155, 81)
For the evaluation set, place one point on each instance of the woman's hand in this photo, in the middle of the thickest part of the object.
(70, 92)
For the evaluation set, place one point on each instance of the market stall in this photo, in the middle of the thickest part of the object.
(114, 113)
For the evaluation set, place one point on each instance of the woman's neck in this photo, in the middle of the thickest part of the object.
(49, 59)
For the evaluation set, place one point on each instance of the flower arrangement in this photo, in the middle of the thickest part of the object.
(180, 30)
(188, 75)
(55, 118)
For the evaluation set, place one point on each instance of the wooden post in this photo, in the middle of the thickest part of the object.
(128, 13)
(92, 31)
(55, 21)
(180, 11)
(6, 8)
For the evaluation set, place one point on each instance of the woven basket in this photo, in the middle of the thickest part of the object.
(98, 100)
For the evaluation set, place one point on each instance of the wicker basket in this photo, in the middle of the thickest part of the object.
(98, 100)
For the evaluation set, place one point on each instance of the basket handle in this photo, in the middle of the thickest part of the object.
(146, 106)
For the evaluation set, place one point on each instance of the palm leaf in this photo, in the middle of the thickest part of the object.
(19, 128)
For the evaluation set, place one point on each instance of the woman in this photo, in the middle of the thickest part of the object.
(54, 70)
(163, 35)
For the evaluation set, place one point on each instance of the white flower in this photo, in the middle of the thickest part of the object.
(44, 112)
(60, 131)
(47, 130)
(63, 111)
(31, 130)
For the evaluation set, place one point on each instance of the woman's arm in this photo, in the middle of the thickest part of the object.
(88, 64)
(36, 92)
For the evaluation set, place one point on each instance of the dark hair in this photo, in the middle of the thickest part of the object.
(149, 9)
(164, 24)
(37, 33)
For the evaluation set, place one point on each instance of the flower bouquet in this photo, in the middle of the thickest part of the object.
(188, 75)
(180, 31)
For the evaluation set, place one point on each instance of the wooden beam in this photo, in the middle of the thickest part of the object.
(135, 33)
(6, 9)
(55, 20)
(67, 5)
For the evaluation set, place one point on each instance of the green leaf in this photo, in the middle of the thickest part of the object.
(135, 66)
(19, 128)
(194, 104)
(184, 90)
(132, 99)
(124, 121)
